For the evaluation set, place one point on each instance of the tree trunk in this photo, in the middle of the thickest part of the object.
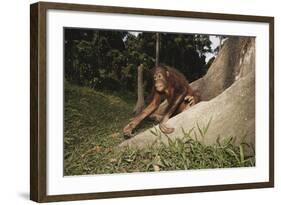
(220, 45)
(140, 103)
(228, 90)
(157, 49)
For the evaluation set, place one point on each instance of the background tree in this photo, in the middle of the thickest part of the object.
(140, 102)
(157, 49)
(108, 60)
(221, 41)
(93, 58)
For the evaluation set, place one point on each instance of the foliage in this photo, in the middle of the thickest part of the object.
(186, 53)
(104, 59)
(92, 130)
(94, 58)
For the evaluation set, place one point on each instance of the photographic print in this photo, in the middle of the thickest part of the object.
(137, 101)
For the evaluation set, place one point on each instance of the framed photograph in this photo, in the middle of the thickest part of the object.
(135, 102)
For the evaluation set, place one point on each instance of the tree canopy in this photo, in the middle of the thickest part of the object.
(108, 59)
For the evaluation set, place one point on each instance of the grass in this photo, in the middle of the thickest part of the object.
(93, 123)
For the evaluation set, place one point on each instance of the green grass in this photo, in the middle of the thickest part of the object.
(93, 123)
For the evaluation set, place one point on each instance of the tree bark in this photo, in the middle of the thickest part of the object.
(220, 45)
(140, 102)
(228, 90)
(157, 49)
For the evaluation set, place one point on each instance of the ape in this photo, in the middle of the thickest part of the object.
(172, 86)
